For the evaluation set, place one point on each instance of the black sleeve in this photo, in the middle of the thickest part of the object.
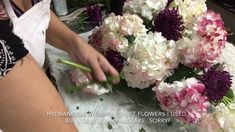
(11, 48)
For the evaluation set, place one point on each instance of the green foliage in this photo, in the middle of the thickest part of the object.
(80, 24)
(130, 38)
(148, 24)
(142, 130)
(142, 97)
(182, 72)
(109, 126)
(228, 99)
(230, 94)
(219, 66)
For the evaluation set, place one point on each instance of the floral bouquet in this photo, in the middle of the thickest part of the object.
(173, 47)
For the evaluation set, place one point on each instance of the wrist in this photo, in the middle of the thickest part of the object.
(71, 42)
(74, 43)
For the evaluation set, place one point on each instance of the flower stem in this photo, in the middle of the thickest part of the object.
(79, 66)
(86, 69)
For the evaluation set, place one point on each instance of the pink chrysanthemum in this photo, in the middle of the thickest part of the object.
(189, 103)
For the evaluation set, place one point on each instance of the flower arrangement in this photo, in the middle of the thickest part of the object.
(173, 47)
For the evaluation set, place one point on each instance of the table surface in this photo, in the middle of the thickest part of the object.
(114, 112)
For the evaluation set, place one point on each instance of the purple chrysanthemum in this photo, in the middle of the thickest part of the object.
(95, 14)
(115, 59)
(169, 23)
(217, 83)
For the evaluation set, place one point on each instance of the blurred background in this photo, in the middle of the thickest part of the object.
(87, 20)
(227, 10)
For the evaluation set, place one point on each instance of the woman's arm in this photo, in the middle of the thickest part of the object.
(59, 35)
(3, 13)
(63, 38)
(28, 98)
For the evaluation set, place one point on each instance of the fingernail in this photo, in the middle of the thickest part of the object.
(102, 78)
(116, 81)
(90, 78)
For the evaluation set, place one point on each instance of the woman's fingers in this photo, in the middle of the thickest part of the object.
(97, 71)
(108, 68)
(89, 76)
(76, 60)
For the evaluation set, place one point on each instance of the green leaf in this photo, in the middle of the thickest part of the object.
(230, 94)
(169, 123)
(130, 38)
(145, 97)
(219, 66)
(148, 23)
(72, 89)
(142, 130)
(109, 126)
(182, 72)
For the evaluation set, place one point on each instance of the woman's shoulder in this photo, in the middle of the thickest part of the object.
(3, 13)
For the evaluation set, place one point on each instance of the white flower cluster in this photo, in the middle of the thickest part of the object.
(145, 8)
(225, 117)
(189, 9)
(149, 59)
(176, 86)
(116, 28)
(188, 47)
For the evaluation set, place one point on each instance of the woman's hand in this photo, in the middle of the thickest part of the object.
(60, 36)
(81, 52)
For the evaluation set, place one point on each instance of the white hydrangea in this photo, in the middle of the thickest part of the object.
(116, 28)
(176, 86)
(127, 24)
(149, 59)
(225, 117)
(145, 8)
(189, 9)
(188, 47)
(114, 41)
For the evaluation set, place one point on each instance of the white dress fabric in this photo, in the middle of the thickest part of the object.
(31, 27)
